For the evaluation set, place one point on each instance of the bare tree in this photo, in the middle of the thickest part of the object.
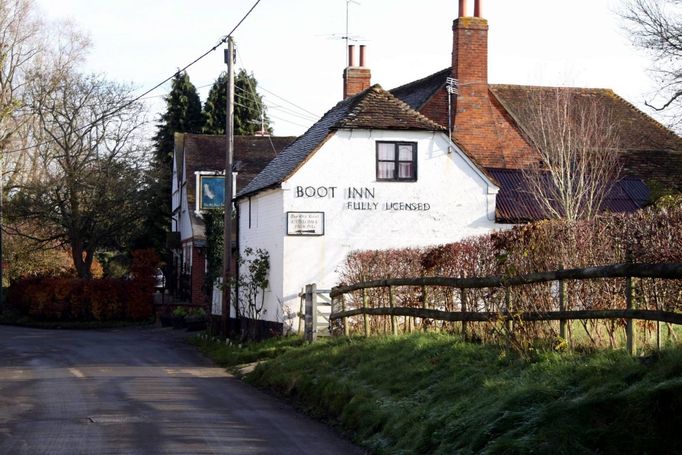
(29, 49)
(87, 194)
(19, 45)
(579, 156)
(656, 27)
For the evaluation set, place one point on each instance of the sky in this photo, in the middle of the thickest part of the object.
(295, 51)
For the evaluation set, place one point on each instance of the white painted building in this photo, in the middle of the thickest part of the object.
(371, 174)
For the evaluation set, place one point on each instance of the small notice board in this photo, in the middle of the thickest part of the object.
(305, 223)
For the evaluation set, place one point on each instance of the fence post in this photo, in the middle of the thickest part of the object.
(346, 327)
(562, 307)
(629, 326)
(391, 303)
(507, 304)
(309, 328)
(425, 305)
(463, 304)
(658, 327)
(365, 316)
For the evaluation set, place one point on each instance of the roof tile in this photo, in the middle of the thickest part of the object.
(373, 108)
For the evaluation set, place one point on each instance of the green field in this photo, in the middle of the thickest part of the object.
(434, 393)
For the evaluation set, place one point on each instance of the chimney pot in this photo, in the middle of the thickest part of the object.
(355, 79)
(462, 8)
(477, 8)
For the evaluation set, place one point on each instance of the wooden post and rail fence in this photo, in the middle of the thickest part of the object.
(628, 271)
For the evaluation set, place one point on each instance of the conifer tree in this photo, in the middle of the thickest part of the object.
(247, 109)
(183, 115)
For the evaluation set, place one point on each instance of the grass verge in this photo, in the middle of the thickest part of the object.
(434, 393)
(231, 355)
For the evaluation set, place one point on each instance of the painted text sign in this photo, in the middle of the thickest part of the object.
(360, 198)
(305, 223)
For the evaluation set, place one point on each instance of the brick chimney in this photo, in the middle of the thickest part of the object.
(355, 78)
(470, 49)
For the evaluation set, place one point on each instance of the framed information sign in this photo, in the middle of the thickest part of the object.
(305, 223)
(211, 191)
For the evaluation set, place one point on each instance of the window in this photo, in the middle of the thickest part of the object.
(397, 161)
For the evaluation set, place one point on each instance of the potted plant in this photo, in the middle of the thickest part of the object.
(196, 319)
(178, 317)
(166, 319)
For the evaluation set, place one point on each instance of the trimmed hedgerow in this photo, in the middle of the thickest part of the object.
(77, 299)
(646, 236)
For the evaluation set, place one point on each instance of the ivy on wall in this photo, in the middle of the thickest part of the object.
(214, 221)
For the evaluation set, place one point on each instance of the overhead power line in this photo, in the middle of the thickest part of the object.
(293, 104)
(222, 40)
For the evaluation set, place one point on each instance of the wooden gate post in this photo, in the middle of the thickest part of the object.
(313, 295)
(630, 344)
(301, 312)
(310, 329)
(391, 303)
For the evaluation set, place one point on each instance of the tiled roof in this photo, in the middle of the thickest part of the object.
(373, 108)
(515, 202)
(651, 151)
(636, 130)
(660, 169)
(206, 152)
(379, 109)
(416, 93)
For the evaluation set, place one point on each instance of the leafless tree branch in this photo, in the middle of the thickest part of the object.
(578, 146)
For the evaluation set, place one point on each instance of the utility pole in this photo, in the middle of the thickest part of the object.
(2, 263)
(227, 232)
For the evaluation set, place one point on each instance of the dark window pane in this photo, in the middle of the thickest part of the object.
(386, 151)
(405, 152)
(406, 171)
(386, 170)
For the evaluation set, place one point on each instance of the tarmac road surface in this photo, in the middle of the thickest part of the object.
(138, 391)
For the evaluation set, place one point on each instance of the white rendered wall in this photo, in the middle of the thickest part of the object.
(175, 195)
(185, 221)
(456, 202)
(265, 232)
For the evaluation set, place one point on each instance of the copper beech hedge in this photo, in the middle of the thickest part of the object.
(77, 299)
(647, 236)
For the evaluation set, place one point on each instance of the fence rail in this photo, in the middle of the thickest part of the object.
(625, 270)
(487, 316)
(666, 271)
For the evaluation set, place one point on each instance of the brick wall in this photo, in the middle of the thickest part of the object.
(355, 80)
(481, 126)
(197, 278)
(470, 50)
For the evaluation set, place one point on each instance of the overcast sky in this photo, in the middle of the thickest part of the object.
(294, 49)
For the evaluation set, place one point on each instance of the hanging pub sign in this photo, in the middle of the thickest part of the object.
(211, 191)
(305, 223)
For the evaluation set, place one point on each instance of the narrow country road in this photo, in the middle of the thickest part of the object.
(137, 391)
